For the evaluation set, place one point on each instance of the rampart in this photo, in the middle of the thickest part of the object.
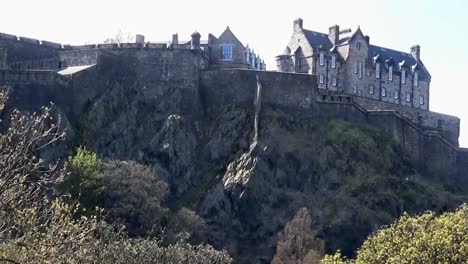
(8, 77)
(433, 154)
(448, 126)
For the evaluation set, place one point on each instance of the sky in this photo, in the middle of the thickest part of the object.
(440, 27)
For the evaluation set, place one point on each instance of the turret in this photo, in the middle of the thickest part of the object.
(283, 61)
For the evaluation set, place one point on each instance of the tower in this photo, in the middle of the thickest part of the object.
(283, 61)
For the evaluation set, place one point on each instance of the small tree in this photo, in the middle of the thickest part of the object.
(120, 37)
(426, 238)
(297, 243)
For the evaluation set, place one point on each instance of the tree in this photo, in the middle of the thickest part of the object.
(37, 226)
(119, 37)
(297, 243)
(426, 238)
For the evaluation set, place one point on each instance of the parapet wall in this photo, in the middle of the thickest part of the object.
(448, 126)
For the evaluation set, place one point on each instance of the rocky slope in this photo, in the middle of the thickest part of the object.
(353, 179)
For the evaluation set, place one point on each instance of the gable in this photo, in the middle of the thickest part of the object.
(228, 37)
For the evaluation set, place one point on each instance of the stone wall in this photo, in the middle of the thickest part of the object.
(26, 49)
(448, 126)
(32, 76)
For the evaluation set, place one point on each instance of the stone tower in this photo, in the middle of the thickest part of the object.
(3, 58)
(283, 61)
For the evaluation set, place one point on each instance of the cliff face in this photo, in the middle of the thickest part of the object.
(247, 169)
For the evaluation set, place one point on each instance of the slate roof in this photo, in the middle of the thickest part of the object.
(398, 57)
(320, 41)
(74, 69)
(317, 39)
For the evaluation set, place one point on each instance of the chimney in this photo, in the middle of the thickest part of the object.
(298, 24)
(195, 43)
(175, 39)
(367, 39)
(139, 39)
(334, 34)
(416, 51)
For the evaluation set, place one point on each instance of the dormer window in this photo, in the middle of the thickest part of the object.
(322, 59)
(403, 76)
(226, 52)
(358, 45)
(333, 61)
(390, 73)
(377, 70)
(416, 79)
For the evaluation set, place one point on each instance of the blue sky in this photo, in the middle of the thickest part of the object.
(440, 27)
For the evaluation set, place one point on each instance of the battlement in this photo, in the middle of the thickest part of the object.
(30, 41)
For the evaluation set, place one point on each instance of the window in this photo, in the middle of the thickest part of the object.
(408, 97)
(333, 61)
(321, 59)
(377, 70)
(390, 73)
(321, 78)
(226, 52)
(416, 79)
(403, 76)
(421, 100)
(355, 89)
(395, 95)
(359, 92)
(371, 89)
(334, 81)
(359, 70)
(383, 92)
(358, 45)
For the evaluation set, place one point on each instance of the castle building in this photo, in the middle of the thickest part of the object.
(346, 61)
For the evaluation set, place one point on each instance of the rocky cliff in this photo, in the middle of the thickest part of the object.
(247, 166)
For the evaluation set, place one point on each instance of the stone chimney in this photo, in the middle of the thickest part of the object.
(195, 42)
(416, 51)
(367, 39)
(298, 24)
(175, 39)
(334, 34)
(139, 39)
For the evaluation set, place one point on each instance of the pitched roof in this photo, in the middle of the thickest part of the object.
(317, 39)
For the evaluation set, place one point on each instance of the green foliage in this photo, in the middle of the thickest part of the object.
(84, 182)
(426, 238)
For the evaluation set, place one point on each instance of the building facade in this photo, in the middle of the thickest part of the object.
(346, 61)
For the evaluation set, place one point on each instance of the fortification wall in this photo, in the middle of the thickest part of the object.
(448, 126)
(8, 77)
(222, 87)
(433, 155)
(27, 49)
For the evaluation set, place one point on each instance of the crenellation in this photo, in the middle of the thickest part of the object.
(51, 44)
(29, 40)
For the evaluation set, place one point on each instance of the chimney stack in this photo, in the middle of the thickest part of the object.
(334, 34)
(139, 39)
(195, 43)
(175, 39)
(298, 24)
(416, 51)
(367, 39)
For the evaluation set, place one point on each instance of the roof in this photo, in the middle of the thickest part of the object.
(74, 69)
(317, 39)
(398, 57)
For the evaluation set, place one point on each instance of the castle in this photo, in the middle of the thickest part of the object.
(347, 62)
(320, 75)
